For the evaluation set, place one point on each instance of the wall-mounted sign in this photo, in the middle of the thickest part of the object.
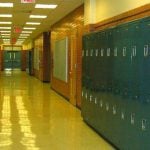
(27, 1)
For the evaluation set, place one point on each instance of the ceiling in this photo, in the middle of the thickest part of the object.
(21, 12)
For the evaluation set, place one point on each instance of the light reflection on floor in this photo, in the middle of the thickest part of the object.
(29, 138)
(6, 126)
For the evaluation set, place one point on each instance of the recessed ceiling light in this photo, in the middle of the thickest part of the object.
(6, 15)
(38, 16)
(24, 34)
(5, 27)
(5, 22)
(51, 6)
(5, 34)
(23, 37)
(20, 39)
(5, 31)
(29, 28)
(26, 31)
(6, 4)
(33, 23)
(6, 39)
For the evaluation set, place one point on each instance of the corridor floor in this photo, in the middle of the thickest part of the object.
(33, 117)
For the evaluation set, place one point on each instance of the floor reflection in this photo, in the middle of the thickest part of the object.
(6, 126)
(29, 138)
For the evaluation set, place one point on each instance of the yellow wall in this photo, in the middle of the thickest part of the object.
(28, 46)
(105, 9)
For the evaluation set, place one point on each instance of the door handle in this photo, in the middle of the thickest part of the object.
(14, 56)
(10, 55)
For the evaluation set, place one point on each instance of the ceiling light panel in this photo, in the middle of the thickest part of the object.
(24, 34)
(5, 31)
(20, 39)
(29, 28)
(6, 39)
(46, 6)
(5, 22)
(23, 37)
(26, 31)
(38, 16)
(6, 15)
(5, 27)
(6, 4)
(33, 23)
(5, 36)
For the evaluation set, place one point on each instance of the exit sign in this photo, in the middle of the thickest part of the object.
(17, 30)
(27, 1)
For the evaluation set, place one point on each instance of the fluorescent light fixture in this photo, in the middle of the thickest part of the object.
(6, 39)
(24, 34)
(6, 4)
(5, 34)
(6, 15)
(38, 16)
(5, 27)
(50, 6)
(6, 42)
(5, 22)
(20, 40)
(5, 31)
(33, 23)
(23, 37)
(29, 28)
(26, 31)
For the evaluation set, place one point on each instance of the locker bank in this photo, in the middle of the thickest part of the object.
(74, 75)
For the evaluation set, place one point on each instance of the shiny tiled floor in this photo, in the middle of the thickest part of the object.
(33, 117)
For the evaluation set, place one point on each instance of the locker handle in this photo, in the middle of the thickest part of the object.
(115, 51)
(145, 50)
(124, 51)
(134, 51)
(108, 51)
(144, 122)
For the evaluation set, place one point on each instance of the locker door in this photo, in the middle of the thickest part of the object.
(145, 46)
(84, 62)
(109, 59)
(100, 60)
(95, 57)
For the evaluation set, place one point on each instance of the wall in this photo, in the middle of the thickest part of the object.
(42, 57)
(38, 49)
(105, 9)
(28, 46)
(71, 27)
